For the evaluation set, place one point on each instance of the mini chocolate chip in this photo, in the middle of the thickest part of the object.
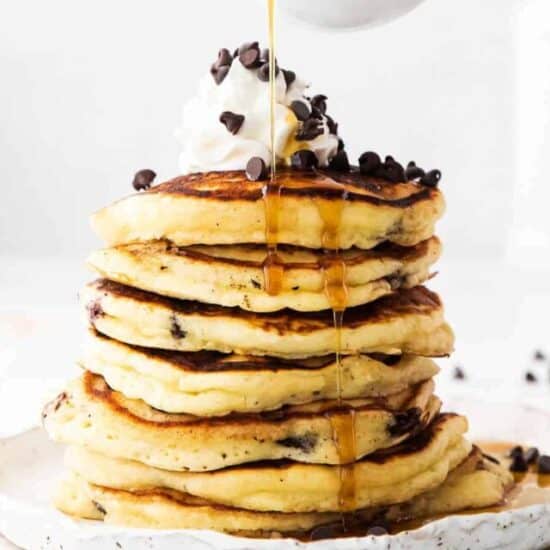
(99, 508)
(143, 179)
(391, 171)
(232, 121)
(518, 464)
(544, 464)
(377, 531)
(310, 129)
(319, 102)
(368, 163)
(339, 162)
(220, 74)
(431, 178)
(256, 169)
(264, 55)
(224, 59)
(516, 451)
(255, 283)
(413, 171)
(306, 443)
(341, 145)
(530, 377)
(290, 77)
(95, 311)
(531, 455)
(405, 421)
(300, 109)
(539, 355)
(331, 125)
(304, 160)
(263, 73)
(175, 329)
(458, 373)
(249, 55)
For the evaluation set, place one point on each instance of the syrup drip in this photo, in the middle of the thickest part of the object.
(273, 265)
(342, 420)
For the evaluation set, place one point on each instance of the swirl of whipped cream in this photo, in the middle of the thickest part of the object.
(207, 143)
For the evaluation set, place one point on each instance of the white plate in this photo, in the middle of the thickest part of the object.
(30, 465)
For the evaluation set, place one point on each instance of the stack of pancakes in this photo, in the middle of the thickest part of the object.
(208, 402)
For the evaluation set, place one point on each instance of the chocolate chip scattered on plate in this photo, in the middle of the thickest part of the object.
(458, 373)
(530, 377)
(539, 355)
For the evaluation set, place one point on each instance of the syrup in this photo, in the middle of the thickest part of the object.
(342, 419)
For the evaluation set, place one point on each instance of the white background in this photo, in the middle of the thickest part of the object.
(90, 92)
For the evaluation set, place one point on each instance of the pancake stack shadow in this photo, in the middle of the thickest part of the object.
(207, 402)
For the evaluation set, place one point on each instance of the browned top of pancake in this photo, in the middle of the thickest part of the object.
(215, 361)
(417, 300)
(234, 185)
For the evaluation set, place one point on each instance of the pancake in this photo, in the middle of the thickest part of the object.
(232, 275)
(91, 414)
(388, 477)
(215, 384)
(475, 483)
(227, 208)
(410, 321)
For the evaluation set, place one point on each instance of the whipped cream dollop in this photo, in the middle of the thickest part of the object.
(210, 144)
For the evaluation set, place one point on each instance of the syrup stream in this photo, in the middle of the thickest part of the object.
(342, 419)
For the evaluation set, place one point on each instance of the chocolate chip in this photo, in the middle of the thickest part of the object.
(405, 422)
(431, 178)
(224, 59)
(544, 464)
(377, 531)
(220, 74)
(249, 55)
(390, 170)
(458, 373)
(256, 169)
(95, 311)
(341, 145)
(368, 163)
(143, 179)
(539, 355)
(300, 109)
(290, 77)
(413, 171)
(263, 73)
(304, 160)
(331, 125)
(518, 464)
(516, 451)
(319, 102)
(530, 377)
(310, 129)
(531, 455)
(232, 121)
(99, 508)
(264, 55)
(306, 443)
(175, 329)
(339, 162)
